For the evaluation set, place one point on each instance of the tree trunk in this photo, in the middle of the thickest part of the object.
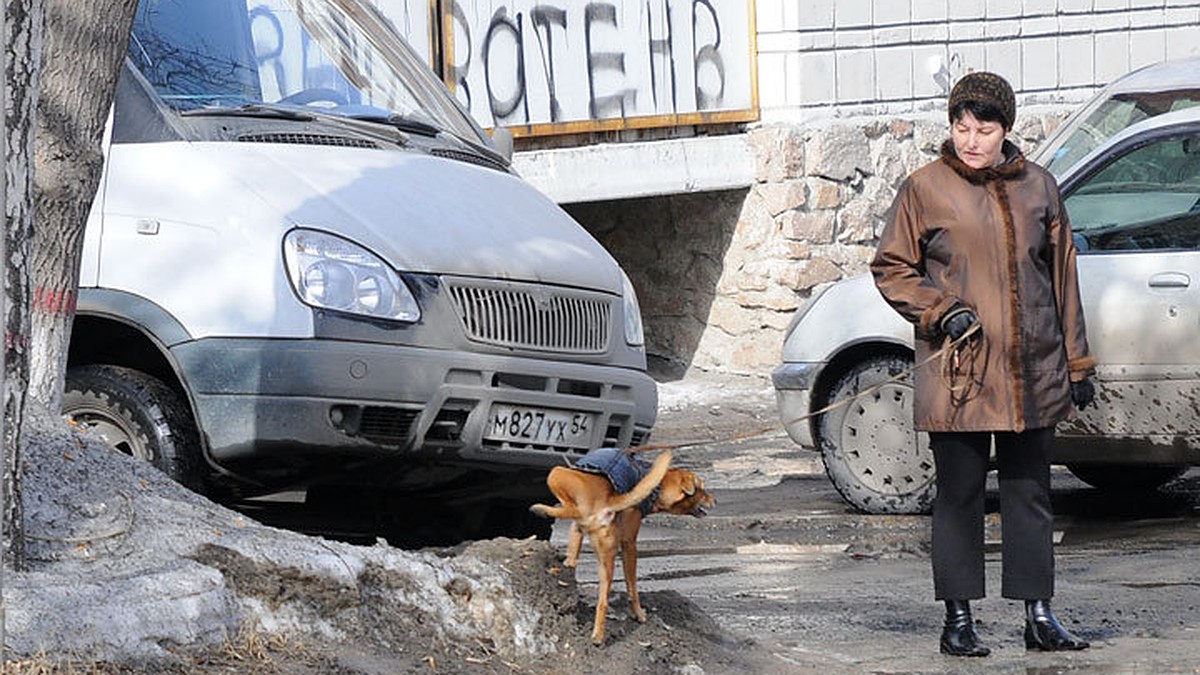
(52, 175)
(23, 41)
(85, 44)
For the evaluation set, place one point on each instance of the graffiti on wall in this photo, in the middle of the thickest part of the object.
(568, 65)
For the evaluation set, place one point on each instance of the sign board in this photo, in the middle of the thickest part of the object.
(568, 66)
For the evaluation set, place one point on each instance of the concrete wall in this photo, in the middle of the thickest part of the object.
(822, 57)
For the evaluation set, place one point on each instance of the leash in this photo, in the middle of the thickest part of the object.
(951, 354)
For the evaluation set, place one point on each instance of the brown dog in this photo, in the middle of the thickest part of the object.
(612, 520)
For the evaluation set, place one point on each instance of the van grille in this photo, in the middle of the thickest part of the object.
(308, 139)
(533, 317)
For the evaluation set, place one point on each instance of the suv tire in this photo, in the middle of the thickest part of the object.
(872, 454)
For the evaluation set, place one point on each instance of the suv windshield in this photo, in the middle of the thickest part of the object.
(1111, 116)
(338, 57)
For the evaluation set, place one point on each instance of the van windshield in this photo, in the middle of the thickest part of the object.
(338, 57)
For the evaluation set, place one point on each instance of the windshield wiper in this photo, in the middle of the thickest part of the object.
(251, 110)
(402, 122)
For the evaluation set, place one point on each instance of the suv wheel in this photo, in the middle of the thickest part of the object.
(872, 454)
(136, 414)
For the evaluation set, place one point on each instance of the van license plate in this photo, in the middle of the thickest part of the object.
(540, 425)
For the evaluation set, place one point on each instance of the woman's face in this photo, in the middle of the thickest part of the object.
(977, 143)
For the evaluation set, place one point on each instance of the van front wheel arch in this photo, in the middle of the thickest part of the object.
(138, 415)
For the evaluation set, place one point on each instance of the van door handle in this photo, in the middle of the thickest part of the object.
(1170, 280)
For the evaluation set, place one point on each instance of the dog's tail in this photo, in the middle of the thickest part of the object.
(645, 486)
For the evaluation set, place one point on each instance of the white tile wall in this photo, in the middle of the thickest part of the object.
(1183, 41)
(1036, 7)
(969, 10)
(894, 74)
(1146, 47)
(887, 12)
(856, 75)
(1076, 65)
(1002, 9)
(814, 13)
(852, 14)
(1112, 56)
(816, 78)
(929, 10)
(898, 55)
(1039, 63)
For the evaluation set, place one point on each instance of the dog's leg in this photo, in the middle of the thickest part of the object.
(574, 545)
(606, 555)
(629, 558)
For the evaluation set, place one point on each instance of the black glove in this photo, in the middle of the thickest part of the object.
(1082, 393)
(958, 321)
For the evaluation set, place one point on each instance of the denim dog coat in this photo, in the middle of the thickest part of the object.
(621, 468)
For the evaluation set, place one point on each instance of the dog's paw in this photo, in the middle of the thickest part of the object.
(639, 614)
(571, 562)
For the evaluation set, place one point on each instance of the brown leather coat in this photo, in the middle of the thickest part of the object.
(998, 241)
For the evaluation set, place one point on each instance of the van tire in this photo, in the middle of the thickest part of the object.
(872, 454)
(138, 415)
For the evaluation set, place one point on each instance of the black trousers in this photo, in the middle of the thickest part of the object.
(1026, 518)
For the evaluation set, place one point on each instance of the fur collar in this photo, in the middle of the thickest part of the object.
(1012, 167)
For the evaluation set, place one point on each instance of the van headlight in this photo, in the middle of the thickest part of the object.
(329, 272)
(634, 334)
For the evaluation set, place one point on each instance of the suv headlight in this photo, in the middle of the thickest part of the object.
(329, 272)
(634, 334)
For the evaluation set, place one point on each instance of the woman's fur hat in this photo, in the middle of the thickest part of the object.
(989, 89)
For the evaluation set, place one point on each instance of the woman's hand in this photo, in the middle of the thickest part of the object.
(958, 321)
(1082, 392)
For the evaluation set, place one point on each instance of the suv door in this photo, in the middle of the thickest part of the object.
(1135, 212)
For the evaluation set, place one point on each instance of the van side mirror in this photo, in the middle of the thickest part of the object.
(502, 139)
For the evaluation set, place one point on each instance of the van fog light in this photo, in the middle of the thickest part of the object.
(345, 418)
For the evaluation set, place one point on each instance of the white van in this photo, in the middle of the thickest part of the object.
(307, 267)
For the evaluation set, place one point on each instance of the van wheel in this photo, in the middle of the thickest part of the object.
(138, 415)
(1126, 477)
(872, 454)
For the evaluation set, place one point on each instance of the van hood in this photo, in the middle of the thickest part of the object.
(426, 214)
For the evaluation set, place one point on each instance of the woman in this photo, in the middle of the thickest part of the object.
(978, 255)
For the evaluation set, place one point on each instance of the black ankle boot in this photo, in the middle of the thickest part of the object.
(1044, 632)
(958, 635)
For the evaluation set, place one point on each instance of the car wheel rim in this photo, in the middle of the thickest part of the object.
(113, 431)
(880, 445)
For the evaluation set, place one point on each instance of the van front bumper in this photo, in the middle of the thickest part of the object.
(263, 402)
